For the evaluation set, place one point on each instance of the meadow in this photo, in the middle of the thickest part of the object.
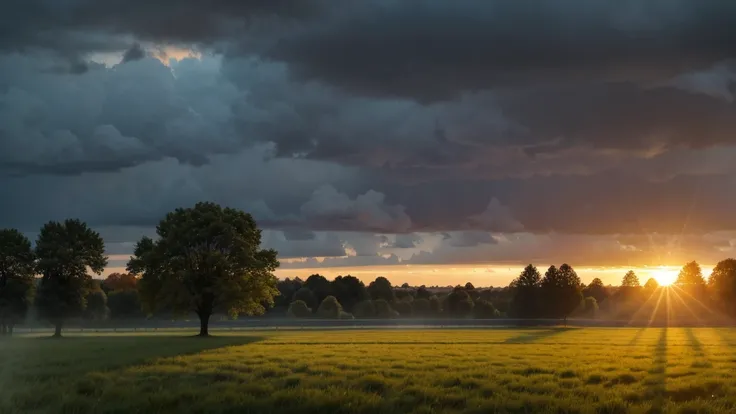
(540, 370)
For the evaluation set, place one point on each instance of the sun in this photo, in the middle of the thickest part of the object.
(664, 276)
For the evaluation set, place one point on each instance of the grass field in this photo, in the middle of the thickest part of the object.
(554, 370)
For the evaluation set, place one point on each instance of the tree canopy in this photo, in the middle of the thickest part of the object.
(17, 269)
(65, 250)
(561, 290)
(206, 258)
(630, 280)
(723, 284)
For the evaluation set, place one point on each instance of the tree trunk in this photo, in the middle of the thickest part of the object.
(204, 321)
(57, 330)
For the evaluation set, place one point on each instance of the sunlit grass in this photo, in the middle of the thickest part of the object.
(545, 370)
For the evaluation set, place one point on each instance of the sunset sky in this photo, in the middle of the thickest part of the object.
(431, 142)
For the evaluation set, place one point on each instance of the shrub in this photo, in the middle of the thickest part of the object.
(485, 310)
(384, 310)
(307, 296)
(403, 308)
(364, 309)
(299, 309)
(329, 308)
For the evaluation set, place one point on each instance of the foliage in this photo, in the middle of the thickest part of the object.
(381, 289)
(96, 305)
(320, 286)
(722, 283)
(384, 309)
(458, 303)
(690, 275)
(17, 262)
(124, 304)
(299, 309)
(590, 307)
(207, 258)
(403, 308)
(596, 290)
(423, 293)
(651, 284)
(630, 280)
(526, 293)
(329, 308)
(287, 288)
(65, 251)
(349, 290)
(485, 310)
(435, 305)
(307, 296)
(420, 307)
(561, 291)
(364, 309)
(119, 281)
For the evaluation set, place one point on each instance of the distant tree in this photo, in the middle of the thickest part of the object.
(423, 293)
(526, 290)
(207, 259)
(96, 304)
(469, 286)
(596, 290)
(651, 284)
(406, 295)
(590, 307)
(561, 291)
(349, 290)
(287, 288)
(65, 251)
(405, 286)
(420, 307)
(17, 286)
(458, 303)
(329, 308)
(435, 305)
(307, 296)
(321, 287)
(690, 275)
(384, 309)
(364, 309)
(381, 289)
(630, 280)
(299, 309)
(119, 281)
(722, 283)
(403, 308)
(485, 310)
(124, 304)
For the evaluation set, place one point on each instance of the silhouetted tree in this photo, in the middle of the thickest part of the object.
(65, 251)
(119, 281)
(124, 304)
(206, 259)
(381, 289)
(364, 309)
(420, 307)
(320, 286)
(307, 296)
(384, 309)
(596, 290)
(299, 309)
(691, 280)
(423, 293)
(96, 304)
(561, 291)
(17, 263)
(405, 286)
(403, 308)
(329, 308)
(349, 290)
(722, 283)
(590, 307)
(526, 289)
(651, 284)
(485, 310)
(630, 280)
(435, 305)
(458, 303)
(287, 288)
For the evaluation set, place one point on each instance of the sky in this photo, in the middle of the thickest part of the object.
(436, 142)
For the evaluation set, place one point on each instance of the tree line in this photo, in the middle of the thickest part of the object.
(208, 260)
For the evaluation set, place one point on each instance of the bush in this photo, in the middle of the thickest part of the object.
(299, 309)
(485, 310)
(329, 308)
(364, 309)
(307, 296)
(384, 310)
(403, 308)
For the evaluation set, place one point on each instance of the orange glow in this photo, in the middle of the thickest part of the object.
(664, 276)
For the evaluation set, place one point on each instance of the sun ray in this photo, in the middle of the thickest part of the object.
(684, 304)
(641, 307)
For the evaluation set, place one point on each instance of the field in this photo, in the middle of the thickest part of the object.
(554, 370)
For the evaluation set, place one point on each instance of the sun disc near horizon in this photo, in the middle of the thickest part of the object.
(664, 276)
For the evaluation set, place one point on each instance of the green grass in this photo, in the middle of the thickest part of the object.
(553, 370)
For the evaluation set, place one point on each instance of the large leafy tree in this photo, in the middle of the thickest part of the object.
(381, 289)
(349, 290)
(723, 284)
(691, 280)
(17, 263)
(526, 293)
(206, 259)
(320, 286)
(596, 289)
(561, 289)
(630, 280)
(65, 251)
(119, 281)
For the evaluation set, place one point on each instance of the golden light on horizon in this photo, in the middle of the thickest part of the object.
(664, 276)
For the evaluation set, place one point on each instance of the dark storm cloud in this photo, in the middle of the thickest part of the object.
(433, 50)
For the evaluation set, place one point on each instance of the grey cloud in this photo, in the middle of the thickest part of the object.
(405, 241)
(471, 239)
(135, 52)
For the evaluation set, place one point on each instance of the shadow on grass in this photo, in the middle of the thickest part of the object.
(695, 343)
(537, 335)
(657, 389)
(637, 337)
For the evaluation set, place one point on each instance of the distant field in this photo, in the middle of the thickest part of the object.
(546, 370)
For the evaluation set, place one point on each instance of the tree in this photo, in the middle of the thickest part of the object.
(435, 305)
(124, 304)
(299, 309)
(321, 287)
(96, 304)
(690, 275)
(403, 308)
(596, 290)
(349, 290)
(329, 308)
(590, 307)
(381, 289)
(364, 309)
(423, 293)
(420, 307)
(206, 259)
(17, 263)
(630, 280)
(561, 291)
(722, 283)
(119, 281)
(307, 296)
(458, 303)
(469, 286)
(65, 251)
(485, 310)
(526, 293)
(651, 284)
(384, 309)
(287, 288)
